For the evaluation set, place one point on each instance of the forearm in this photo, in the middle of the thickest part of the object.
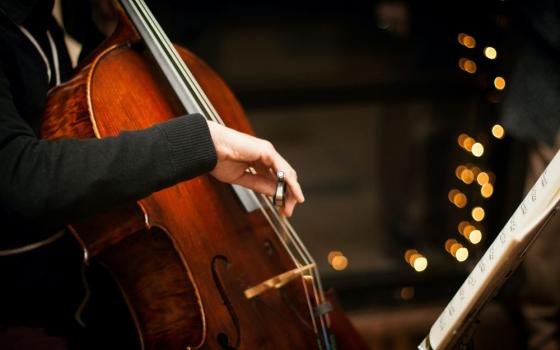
(57, 181)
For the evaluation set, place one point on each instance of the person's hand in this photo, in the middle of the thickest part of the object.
(237, 152)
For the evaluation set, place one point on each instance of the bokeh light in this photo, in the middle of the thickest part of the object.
(477, 149)
(498, 131)
(461, 139)
(478, 214)
(467, 176)
(462, 254)
(416, 260)
(499, 83)
(475, 236)
(458, 170)
(469, 142)
(466, 40)
(490, 53)
(487, 190)
(482, 178)
(460, 200)
(420, 264)
(339, 262)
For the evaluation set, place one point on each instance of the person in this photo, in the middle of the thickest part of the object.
(531, 113)
(47, 184)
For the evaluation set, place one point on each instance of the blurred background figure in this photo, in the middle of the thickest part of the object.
(531, 113)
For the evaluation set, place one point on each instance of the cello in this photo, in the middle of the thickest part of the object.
(201, 264)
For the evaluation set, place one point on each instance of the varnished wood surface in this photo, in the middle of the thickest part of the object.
(183, 272)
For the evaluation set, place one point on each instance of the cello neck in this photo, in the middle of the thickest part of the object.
(174, 69)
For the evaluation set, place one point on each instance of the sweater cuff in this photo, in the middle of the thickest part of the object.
(190, 144)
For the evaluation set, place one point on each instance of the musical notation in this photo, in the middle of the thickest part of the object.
(499, 260)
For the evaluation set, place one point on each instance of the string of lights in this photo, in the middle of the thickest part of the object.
(477, 184)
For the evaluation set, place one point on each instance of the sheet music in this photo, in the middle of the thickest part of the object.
(501, 258)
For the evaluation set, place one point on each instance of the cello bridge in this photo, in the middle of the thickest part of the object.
(277, 281)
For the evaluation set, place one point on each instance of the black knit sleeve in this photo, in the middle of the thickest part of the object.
(54, 182)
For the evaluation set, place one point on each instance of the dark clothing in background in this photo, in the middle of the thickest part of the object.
(531, 109)
(47, 184)
(531, 112)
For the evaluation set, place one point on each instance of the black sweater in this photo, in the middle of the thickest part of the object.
(531, 108)
(46, 184)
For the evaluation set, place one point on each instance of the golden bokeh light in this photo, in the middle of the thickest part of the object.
(482, 178)
(490, 53)
(466, 40)
(413, 258)
(477, 149)
(467, 176)
(470, 66)
(499, 83)
(475, 236)
(458, 170)
(420, 264)
(461, 139)
(467, 230)
(467, 65)
(462, 254)
(462, 225)
(408, 254)
(460, 200)
(461, 63)
(498, 131)
(468, 143)
(333, 254)
(454, 248)
(449, 243)
(416, 260)
(487, 190)
(339, 262)
(451, 195)
(469, 42)
(478, 214)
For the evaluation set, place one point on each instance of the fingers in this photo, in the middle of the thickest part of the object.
(267, 186)
(257, 182)
(289, 205)
(269, 159)
(235, 148)
(274, 160)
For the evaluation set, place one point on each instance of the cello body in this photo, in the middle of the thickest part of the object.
(183, 256)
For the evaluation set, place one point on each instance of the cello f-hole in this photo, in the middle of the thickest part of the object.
(222, 338)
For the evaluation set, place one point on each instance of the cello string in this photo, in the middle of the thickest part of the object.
(154, 46)
(316, 279)
(164, 43)
(304, 255)
(210, 110)
(179, 64)
(302, 250)
(169, 51)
